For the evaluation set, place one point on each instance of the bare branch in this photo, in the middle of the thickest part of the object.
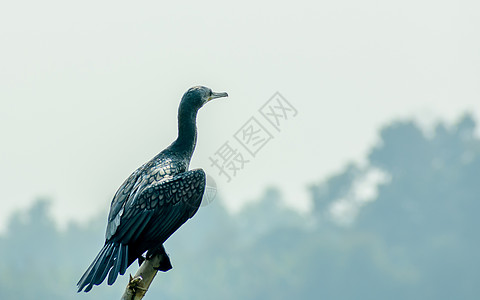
(138, 285)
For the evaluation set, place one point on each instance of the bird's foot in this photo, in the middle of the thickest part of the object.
(141, 259)
(135, 283)
(165, 263)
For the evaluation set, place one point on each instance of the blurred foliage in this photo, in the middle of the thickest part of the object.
(416, 240)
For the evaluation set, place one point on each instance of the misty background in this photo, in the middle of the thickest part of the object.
(369, 192)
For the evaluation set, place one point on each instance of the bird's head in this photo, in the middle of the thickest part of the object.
(197, 96)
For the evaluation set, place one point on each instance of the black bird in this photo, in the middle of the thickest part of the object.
(154, 201)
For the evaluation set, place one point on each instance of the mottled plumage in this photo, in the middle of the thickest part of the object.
(154, 201)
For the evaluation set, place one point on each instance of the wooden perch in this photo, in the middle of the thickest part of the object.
(138, 285)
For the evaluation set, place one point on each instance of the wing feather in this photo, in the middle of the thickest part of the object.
(144, 212)
(152, 212)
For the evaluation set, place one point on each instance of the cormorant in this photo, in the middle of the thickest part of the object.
(154, 201)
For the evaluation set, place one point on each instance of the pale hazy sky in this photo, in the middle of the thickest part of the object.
(89, 90)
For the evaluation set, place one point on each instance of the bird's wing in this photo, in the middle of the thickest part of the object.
(171, 201)
(128, 189)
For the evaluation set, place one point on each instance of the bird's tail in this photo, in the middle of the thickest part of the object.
(112, 258)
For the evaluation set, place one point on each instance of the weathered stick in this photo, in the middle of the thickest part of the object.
(138, 285)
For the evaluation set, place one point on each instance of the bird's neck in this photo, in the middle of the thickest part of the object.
(187, 132)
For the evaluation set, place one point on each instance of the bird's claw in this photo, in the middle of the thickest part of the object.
(134, 283)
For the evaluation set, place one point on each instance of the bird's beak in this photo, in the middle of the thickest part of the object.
(217, 95)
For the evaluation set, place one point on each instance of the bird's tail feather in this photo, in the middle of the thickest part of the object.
(112, 258)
